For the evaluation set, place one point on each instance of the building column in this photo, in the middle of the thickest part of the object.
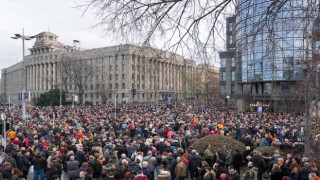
(34, 77)
(50, 81)
(30, 78)
(160, 75)
(54, 75)
(41, 77)
(45, 76)
(37, 67)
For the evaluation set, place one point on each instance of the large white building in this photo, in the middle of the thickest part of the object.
(117, 68)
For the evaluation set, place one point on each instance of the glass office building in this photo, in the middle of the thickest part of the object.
(273, 40)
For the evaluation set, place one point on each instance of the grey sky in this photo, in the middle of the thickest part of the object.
(35, 16)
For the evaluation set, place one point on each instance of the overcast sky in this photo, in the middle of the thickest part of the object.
(35, 16)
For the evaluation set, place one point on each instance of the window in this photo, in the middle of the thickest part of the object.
(123, 85)
(230, 25)
(122, 95)
(97, 96)
(233, 62)
(230, 39)
(223, 62)
(223, 90)
(116, 76)
(91, 87)
(233, 76)
(109, 95)
(122, 66)
(117, 86)
(110, 77)
(55, 57)
(285, 86)
(132, 67)
(116, 67)
(85, 95)
(224, 76)
(110, 86)
(142, 86)
(97, 86)
(132, 86)
(132, 76)
(123, 76)
(110, 67)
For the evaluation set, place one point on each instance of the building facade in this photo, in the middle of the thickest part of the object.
(154, 73)
(207, 81)
(264, 66)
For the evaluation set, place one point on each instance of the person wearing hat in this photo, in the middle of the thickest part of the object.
(193, 164)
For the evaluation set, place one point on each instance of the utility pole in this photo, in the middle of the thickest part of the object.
(24, 74)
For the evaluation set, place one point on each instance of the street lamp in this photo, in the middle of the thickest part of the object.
(24, 73)
(227, 97)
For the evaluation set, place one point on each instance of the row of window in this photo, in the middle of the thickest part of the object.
(224, 76)
(123, 95)
(224, 62)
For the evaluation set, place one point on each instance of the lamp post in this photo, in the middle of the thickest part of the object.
(115, 102)
(24, 73)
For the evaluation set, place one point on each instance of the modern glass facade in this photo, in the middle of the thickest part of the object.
(271, 44)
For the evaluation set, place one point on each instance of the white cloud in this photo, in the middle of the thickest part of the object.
(35, 16)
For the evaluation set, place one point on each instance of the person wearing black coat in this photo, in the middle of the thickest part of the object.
(54, 168)
(39, 163)
(259, 162)
(24, 163)
(237, 160)
(96, 167)
(303, 172)
(81, 156)
(161, 146)
(233, 174)
(171, 163)
(276, 173)
(193, 165)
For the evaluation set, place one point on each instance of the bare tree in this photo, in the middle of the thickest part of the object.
(78, 73)
(182, 25)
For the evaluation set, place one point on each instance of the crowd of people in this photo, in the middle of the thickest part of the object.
(143, 142)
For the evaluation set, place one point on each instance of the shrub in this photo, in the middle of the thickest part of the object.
(267, 149)
(217, 142)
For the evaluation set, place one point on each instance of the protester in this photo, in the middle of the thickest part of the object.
(90, 142)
